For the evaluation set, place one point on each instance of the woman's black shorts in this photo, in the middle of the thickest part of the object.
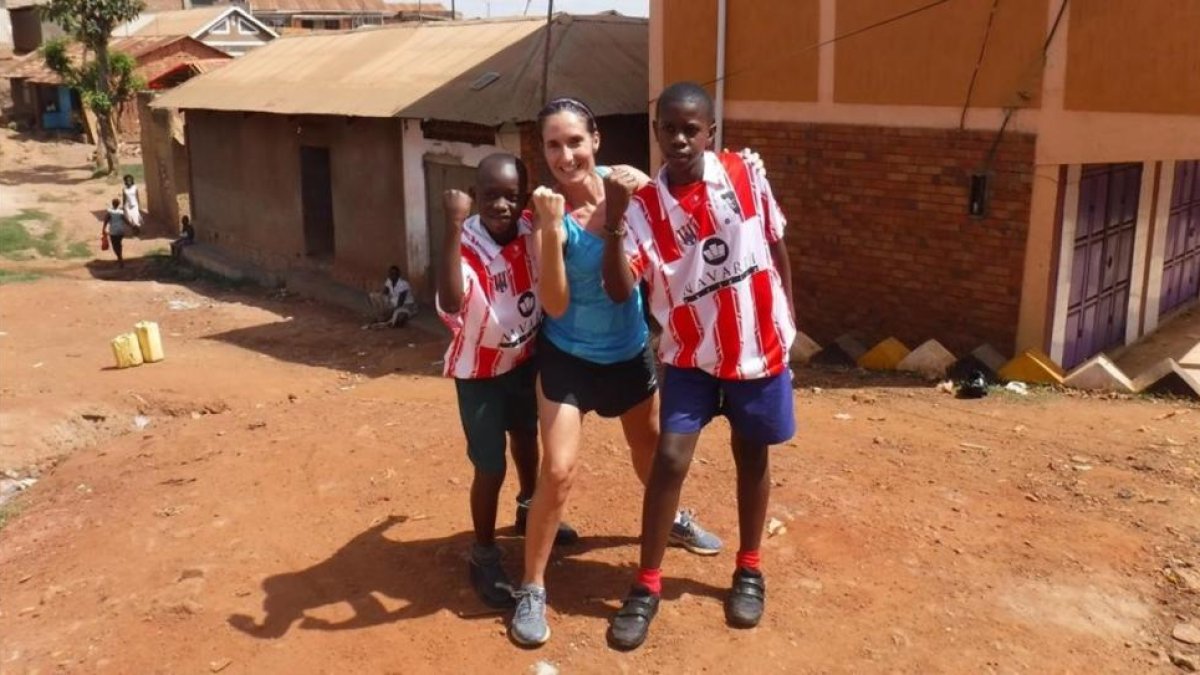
(609, 389)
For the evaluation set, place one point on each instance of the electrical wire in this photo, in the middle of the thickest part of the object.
(858, 31)
(987, 33)
(1008, 114)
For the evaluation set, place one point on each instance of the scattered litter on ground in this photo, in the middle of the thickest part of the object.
(141, 422)
(775, 527)
(843, 416)
(1019, 388)
(10, 487)
(182, 305)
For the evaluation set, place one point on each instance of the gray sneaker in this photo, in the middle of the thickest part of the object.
(529, 627)
(686, 532)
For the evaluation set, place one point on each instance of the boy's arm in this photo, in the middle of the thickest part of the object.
(774, 224)
(450, 276)
(619, 280)
(783, 266)
(548, 238)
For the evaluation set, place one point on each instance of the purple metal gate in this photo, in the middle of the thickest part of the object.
(1181, 259)
(1102, 260)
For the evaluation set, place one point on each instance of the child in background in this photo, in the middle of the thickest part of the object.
(396, 304)
(115, 229)
(187, 237)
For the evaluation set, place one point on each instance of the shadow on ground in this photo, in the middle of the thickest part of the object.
(429, 575)
(306, 332)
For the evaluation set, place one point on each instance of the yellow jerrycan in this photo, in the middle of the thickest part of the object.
(126, 350)
(149, 341)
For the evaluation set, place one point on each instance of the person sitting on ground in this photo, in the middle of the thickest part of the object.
(396, 304)
(187, 237)
(114, 228)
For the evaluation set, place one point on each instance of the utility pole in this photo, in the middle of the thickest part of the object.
(546, 56)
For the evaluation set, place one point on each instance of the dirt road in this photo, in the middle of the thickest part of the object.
(295, 501)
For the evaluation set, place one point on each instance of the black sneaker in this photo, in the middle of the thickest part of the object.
(565, 536)
(631, 624)
(975, 386)
(744, 606)
(489, 580)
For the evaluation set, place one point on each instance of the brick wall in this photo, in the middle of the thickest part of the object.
(879, 236)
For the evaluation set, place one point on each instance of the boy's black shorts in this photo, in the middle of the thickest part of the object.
(491, 407)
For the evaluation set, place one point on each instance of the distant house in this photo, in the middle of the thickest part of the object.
(226, 27)
(328, 154)
(292, 16)
(30, 30)
(1028, 179)
(41, 101)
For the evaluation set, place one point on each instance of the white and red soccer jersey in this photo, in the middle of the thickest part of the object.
(713, 284)
(495, 327)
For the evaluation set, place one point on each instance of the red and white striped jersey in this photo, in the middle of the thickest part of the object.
(494, 329)
(713, 284)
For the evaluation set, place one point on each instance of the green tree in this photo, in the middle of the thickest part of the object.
(91, 23)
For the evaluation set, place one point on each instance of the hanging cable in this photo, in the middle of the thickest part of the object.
(987, 32)
(858, 31)
(1012, 110)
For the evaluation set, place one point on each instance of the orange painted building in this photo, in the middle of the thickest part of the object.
(1075, 121)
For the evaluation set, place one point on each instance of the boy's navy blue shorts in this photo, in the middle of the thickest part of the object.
(760, 411)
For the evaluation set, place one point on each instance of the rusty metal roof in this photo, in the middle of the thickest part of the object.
(342, 7)
(427, 71)
(151, 5)
(194, 22)
(32, 66)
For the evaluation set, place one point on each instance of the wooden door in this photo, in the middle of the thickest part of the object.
(1181, 258)
(439, 177)
(1102, 260)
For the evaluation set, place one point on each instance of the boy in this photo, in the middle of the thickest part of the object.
(396, 304)
(114, 228)
(487, 296)
(187, 237)
(707, 237)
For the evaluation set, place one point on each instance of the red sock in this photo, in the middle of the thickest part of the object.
(651, 579)
(748, 560)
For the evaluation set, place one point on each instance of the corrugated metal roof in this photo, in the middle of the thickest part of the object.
(32, 66)
(180, 22)
(426, 71)
(341, 6)
(151, 5)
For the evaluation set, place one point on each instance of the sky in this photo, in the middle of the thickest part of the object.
(479, 8)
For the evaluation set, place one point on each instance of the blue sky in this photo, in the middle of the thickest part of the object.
(479, 8)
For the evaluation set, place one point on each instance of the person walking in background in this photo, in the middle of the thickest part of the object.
(131, 206)
(114, 229)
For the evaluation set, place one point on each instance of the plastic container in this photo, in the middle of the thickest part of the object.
(126, 350)
(149, 341)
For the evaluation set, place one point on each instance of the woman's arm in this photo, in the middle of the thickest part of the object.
(619, 280)
(549, 236)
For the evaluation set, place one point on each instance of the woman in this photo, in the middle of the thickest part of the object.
(131, 206)
(594, 355)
